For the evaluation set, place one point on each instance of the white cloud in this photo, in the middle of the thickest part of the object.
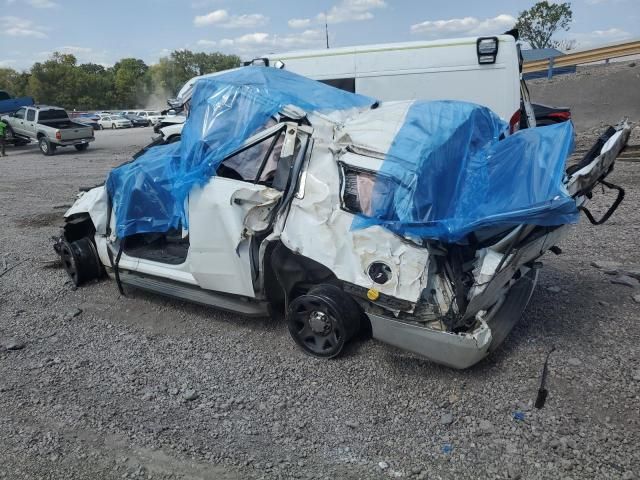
(257, 43)
(207, 43)
(598, 38)
(299, 22)
(212, 18)
(222, 18)
(351, 11)
(75, 50)
(465, 26)
(42, 3)
(36, 3)
(20, 27)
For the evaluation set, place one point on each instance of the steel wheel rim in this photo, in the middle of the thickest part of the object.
(69, 261)
(315, 327)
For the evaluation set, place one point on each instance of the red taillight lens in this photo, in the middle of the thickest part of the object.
(58, 135)
(562, 116)
(514, 123)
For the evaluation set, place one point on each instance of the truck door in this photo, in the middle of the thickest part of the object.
(30, 125)
(237, 204)
(17, 124)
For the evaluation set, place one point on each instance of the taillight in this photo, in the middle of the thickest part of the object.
(514, 123)
(561, 116)
(58, 135)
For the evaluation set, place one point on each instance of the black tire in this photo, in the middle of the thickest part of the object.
(80, 260)
(82, 147)
(100, 127)
(46, 147)
(323, 320)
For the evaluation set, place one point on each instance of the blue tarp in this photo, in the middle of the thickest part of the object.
(447, 174)
(150, 193)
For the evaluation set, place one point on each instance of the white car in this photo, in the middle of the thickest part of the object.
(113, 122)
(417, 221)
(151, 116)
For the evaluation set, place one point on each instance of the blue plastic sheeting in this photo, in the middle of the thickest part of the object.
(150, 194)
(447, 174)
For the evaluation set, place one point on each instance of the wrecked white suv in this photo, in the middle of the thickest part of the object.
(422, 222)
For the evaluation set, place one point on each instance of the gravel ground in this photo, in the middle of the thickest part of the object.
(597, 94)
(94, 385)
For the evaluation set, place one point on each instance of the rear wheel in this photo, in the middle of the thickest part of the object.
(80, 260)
(46, 147)
(322, 321)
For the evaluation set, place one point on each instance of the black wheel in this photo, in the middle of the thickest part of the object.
(322, 321)
(46, 147)
(100, 127)
(80, 260)
(82, 147)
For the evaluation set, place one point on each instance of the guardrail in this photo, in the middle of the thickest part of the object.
(585, 56)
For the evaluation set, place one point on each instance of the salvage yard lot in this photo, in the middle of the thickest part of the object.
(103, 386)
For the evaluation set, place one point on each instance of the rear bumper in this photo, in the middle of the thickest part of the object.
(78, 141)
(459, 350)
(450, 349)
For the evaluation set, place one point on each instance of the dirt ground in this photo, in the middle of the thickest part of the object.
(94, 385)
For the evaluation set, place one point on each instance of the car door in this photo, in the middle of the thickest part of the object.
(239, 203)
(30, 124)
(17, 124)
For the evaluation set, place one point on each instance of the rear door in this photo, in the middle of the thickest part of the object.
(238, 204)
(30, 122)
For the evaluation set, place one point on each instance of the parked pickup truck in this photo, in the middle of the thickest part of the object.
(51, 127)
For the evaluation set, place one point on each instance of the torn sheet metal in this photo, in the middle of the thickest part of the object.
(318, 228)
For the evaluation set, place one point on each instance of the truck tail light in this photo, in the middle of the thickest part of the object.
(514, 123)
(58, 135)
(562, 116)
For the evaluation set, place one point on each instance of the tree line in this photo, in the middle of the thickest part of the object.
(129, 83)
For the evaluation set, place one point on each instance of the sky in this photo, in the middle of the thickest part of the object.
(105, 31)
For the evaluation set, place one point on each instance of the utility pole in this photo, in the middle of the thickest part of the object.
(326, 29)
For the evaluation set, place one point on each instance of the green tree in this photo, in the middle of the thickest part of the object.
(538, 24)
(171, 72)
(56, 81)
(131, 81)
(13, 82)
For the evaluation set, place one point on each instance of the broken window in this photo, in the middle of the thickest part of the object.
(256, 163)
(360, 186)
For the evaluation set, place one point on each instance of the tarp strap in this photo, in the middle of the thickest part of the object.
(612, 208)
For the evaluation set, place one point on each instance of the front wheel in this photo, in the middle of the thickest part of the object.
(46, 147)
(80, 260)
(322, 321)
(82, 147)
(100, 127)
